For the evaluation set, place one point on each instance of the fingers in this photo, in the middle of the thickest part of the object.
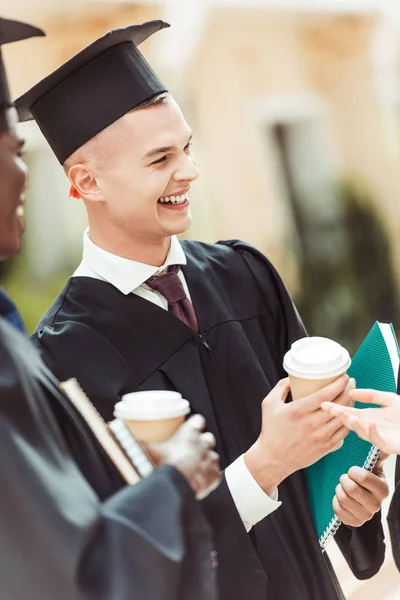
(338, 436)
(331, 427)
(197, 422)
(355, 419)
(359, 495)
(374, 397)
(281, 390)
(350, 504)
(342, 513)
(383, 455)
(208, 440)
(345, 399)
(327, 394)
(155, 452)
(282, 384)
(369, 482)
(380, 442)
(208, 476)
(348, 510)
(337, 410)
(361, 428)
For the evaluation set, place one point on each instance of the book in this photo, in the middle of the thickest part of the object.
(118, 443)
(134, 450)
(375, 365)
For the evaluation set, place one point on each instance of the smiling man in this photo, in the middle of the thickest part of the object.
(212, 321)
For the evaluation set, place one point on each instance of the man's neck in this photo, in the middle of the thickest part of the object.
(150, 253)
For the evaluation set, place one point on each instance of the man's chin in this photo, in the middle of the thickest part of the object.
(179, 226)
(10, 249)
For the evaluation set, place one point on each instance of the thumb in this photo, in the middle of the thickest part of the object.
(283, 388)
(379, 442)
(156, 453)
(383, 456)
(280, 391)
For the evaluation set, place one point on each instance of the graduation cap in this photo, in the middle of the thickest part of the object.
(93, 89)
(12, 31)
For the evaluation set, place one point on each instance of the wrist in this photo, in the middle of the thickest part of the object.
(267, 473)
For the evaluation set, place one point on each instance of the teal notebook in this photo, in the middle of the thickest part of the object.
(375, 365)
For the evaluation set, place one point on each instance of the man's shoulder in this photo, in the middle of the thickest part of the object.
(223, 250)
(80, 297)
(51, 313)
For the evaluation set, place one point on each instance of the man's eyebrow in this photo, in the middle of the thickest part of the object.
(164, 149)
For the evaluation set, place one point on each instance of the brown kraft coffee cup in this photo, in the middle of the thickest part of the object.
(152, 416)
(313, 363)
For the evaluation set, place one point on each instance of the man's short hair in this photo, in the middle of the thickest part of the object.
(159, 99)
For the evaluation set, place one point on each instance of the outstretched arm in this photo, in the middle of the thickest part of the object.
(380, 426)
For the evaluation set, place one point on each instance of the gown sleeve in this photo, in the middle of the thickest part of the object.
(394, 518)
(363, 547)
(146, 542)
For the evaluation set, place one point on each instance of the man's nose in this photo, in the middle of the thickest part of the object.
(187, 169)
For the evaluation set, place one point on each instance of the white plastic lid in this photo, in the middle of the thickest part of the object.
(316, 358)
(154, 405)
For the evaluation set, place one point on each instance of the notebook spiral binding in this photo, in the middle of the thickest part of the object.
(132, 447)
(335, 523)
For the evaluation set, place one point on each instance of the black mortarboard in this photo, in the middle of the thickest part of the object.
(12, 31)
(93, 89)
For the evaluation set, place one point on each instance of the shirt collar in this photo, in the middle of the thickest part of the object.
(125, 274)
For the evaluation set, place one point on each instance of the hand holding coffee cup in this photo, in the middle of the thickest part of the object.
(294, 435)
(156, 419)
(191, 452)
(312, 363)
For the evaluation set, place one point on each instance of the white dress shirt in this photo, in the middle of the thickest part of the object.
(129, 276)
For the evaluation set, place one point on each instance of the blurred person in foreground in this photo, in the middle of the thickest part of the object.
(69, 528)
(381, 427)
(212, 321)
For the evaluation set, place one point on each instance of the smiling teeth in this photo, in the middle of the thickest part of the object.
(20, 212)
(174, 199)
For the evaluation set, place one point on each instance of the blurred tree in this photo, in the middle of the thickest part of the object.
(32, 297)
(341, 299)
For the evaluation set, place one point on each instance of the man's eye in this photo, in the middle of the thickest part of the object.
(160, 160)
(188, 146)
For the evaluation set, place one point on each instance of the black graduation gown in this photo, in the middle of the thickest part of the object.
(115, 344)
(67, 537)
(394, 517)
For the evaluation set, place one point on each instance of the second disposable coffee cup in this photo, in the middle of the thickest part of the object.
(313, 363)
(152, 416)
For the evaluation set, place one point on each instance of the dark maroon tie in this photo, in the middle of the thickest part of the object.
(170, 286)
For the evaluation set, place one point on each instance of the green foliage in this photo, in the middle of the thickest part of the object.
(33, 298)
(342, 299)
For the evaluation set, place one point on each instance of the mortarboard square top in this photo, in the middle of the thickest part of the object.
(93, 89)
(12, 31)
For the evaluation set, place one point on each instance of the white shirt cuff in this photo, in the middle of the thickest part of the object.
(252, 503)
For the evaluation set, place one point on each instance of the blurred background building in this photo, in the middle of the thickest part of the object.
(295, 107)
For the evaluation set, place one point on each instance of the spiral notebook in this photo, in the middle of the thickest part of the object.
(375, 365)
(127, 454)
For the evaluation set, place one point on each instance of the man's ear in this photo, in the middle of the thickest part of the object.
(84, 183)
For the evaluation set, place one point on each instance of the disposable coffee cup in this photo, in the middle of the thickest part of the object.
(152, 416)
(313, 363)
